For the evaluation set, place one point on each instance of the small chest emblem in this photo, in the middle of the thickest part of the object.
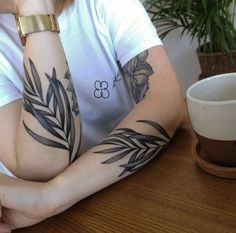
(101, 90)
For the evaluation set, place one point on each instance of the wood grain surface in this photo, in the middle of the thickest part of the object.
(171, 195)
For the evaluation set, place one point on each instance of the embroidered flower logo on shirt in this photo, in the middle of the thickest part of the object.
(101, 90)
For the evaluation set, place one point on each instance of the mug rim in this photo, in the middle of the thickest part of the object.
(212, 102)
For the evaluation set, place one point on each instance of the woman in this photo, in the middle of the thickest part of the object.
(109, 58)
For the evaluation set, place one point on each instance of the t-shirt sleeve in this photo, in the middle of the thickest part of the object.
(11, 66)
(8, 91)
(130, 27)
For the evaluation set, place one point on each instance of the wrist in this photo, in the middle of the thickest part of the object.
(55, 197)
(37, 7)
(49, 198)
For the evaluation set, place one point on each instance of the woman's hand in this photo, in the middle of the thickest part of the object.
(3, 227)
(13, 219)
(23, 203)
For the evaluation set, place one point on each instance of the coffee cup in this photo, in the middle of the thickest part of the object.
(211, 105)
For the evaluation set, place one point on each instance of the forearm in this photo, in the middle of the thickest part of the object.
(120, 154)
(49, 129)
(90, 173)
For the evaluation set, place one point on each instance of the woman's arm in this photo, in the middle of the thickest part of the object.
(138, 139)
(48, 132)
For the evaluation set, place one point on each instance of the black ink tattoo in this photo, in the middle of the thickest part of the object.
(119, 74)
(137, 147)
(52, 112)
(70, 88)
(116, 79)
(137, 73)
(101, 90)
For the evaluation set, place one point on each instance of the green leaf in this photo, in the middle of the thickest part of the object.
(210, 22)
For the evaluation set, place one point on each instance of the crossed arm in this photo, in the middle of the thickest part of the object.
(127, 142)
(40, 138)
(44, 135)
(137, 140)
(53, 134)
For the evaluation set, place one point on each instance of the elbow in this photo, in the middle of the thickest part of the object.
(42, 166)
(168, 109)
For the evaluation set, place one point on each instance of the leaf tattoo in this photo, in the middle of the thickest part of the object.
(53, 112)
(70, 88)
(137, 72)
(139, 148)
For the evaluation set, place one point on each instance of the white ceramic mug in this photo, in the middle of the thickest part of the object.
(212, 109)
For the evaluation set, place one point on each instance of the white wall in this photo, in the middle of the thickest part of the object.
(183, 57)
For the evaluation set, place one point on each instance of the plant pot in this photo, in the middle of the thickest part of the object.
(216, 63)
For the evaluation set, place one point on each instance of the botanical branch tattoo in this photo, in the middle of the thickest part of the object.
(70, 88)
(52, 110)
(137, 73)
(137, 147)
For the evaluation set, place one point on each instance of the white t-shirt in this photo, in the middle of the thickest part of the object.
(96, 35)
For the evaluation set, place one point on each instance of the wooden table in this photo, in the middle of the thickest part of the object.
(168, 196)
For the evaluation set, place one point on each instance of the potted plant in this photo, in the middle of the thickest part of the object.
(210, 22)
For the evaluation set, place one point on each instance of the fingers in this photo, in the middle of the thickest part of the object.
(24, 196)
(16, 219)
(22, 203)
(4, 228)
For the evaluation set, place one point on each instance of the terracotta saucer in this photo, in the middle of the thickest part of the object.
(207, 165)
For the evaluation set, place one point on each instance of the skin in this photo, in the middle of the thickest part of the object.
(20, 198)
(22, 7)
(8, 6)
(12, 6)
(151, 121)
(37, 113)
